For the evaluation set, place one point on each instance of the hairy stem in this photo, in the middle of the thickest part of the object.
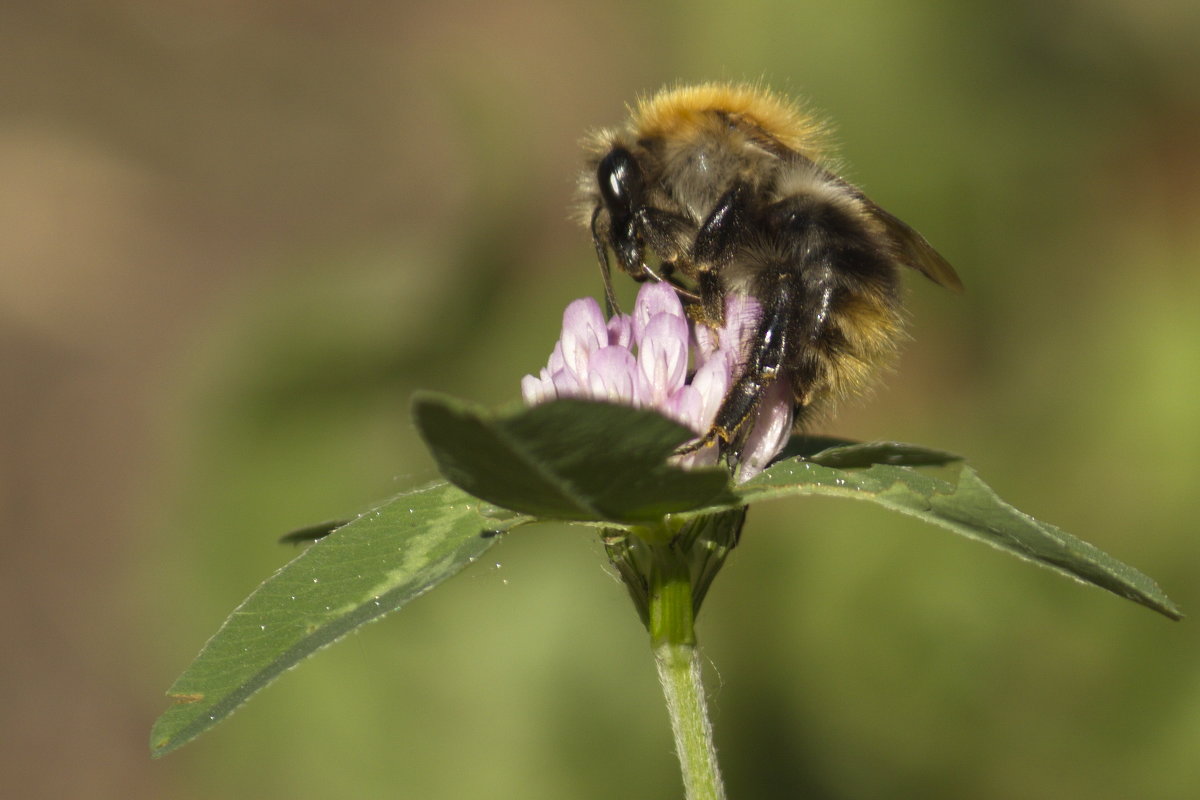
(673, 638)
(679, 671)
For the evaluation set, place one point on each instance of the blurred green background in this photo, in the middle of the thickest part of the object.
(237, 235)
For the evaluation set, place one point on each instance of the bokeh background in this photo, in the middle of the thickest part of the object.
(236, 236)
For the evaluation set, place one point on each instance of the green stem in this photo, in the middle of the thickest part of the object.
(679, 671)
(673, 638)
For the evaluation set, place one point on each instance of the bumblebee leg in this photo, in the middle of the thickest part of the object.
(710, 292)
(716, 243)
(764, 364)
(765, 361)
(794, 340)
(610, 298)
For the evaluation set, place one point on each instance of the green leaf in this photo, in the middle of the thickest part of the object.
(369, 567)
(574, 460)
(966, 506)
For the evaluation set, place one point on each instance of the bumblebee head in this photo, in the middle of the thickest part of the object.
(622, 197)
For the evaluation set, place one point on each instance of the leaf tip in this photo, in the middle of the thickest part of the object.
(162, 743)
(1171, 612)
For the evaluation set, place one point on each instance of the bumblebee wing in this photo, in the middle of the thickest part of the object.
(912, 248)
(916, 252)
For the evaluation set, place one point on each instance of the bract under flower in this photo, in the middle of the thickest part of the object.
(657, 358)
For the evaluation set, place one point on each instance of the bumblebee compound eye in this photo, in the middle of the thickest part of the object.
(620, 180)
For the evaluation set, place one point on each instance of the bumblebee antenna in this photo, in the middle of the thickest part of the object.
(610, 298)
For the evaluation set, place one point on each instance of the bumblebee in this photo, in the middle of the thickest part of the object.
(723, 189)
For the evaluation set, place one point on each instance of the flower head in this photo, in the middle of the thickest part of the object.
(659, 359)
